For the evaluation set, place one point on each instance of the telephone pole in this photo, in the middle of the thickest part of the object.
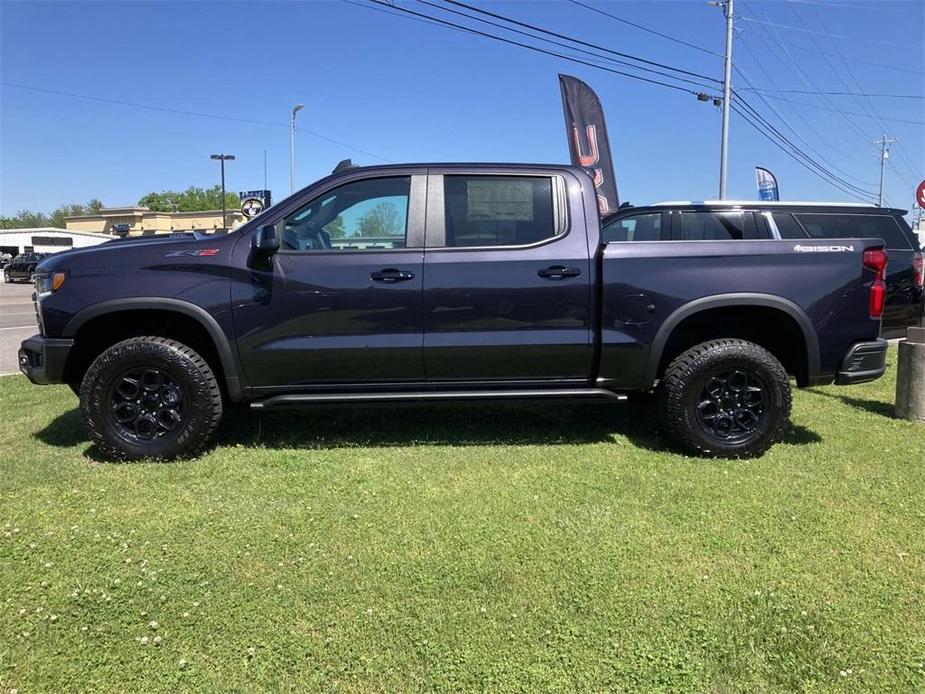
(295, 110)
(884, 143)
(727, 6)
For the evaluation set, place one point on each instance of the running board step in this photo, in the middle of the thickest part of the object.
(431, 395)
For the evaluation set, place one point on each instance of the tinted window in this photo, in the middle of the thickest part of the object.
(788, 227)
(711, 226)
(498, 210)
(640, 227)
(855, 226)
(364, 215)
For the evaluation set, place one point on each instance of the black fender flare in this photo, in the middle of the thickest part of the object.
(197, 313)
(737, 299)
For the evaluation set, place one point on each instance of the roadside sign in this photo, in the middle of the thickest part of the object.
(251, 207)
(920, 195)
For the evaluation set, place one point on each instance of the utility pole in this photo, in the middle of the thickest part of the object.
(223, 158)
(727, 97)
(884, 143)
(295, 110)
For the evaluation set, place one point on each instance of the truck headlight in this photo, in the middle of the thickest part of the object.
(46, 285)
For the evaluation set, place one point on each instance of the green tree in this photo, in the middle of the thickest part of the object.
(382, 220)
(25, 219)
(193, 199)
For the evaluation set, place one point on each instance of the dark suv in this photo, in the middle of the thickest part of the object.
(807, 221)
(22, 267)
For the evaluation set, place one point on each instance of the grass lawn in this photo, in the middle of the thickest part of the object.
(532, 548)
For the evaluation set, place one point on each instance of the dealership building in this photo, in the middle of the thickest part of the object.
(47, 240)
(142, 221)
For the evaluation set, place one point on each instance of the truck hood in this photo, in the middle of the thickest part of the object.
(132, 252)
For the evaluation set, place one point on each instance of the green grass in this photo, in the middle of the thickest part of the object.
(552, 547)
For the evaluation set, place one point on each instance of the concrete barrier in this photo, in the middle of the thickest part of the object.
(910, 377)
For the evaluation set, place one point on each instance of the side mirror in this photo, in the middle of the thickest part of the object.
(264, 242)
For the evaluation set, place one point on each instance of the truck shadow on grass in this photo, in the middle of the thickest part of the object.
(877, 407)
(547, 424)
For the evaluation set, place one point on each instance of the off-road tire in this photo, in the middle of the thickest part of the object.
(685, 380)
(186, 368)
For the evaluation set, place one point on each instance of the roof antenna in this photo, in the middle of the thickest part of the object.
(343, 166)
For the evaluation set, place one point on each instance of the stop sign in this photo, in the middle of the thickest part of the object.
(920, 194)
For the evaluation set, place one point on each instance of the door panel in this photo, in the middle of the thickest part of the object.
(506, 313)
(341, 301)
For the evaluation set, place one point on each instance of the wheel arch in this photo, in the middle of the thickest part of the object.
(736, 301)
(206, 321)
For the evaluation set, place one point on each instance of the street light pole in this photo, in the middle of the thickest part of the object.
(222, 158)
(727, 97)
(295, 109)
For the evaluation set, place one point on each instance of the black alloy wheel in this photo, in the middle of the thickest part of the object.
(147, 403)
(727, 397)
(150, 398)
(732, 405)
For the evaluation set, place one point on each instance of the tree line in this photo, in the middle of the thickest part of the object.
(193, 199)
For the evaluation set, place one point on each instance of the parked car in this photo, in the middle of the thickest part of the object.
(453, 282)
(799, 221)
(22, 267)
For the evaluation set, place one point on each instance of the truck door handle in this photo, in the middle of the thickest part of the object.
(558, 272)
(391, 275)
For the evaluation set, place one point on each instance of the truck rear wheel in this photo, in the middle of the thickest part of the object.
(725, 398)
(150, 397)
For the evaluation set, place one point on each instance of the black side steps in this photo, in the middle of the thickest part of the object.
(293, 400)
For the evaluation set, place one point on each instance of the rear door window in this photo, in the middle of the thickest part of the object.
(640, 227)
(787, 226)
(498, 210)
(855, 226)
(714, 226)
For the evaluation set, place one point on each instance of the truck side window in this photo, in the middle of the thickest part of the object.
(855, 226)
(788, 227)
(712, 226)
(371, 214)
(640, 227)
(498, 210)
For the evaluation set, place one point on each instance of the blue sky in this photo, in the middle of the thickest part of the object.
(408, 91)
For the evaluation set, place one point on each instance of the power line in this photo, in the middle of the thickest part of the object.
(842, 111)
(808, 82)
(579, 41)
(580, 51)
(765, 134)
(537, 49)
(810, 31)
(783, 138)
(882, 66)
(797, 133)
(806, 91)
(646, 29)
(183, 112)
(779, 115)
(866, 98)
(854, 6)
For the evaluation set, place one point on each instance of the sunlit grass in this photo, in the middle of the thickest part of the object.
(550, 547)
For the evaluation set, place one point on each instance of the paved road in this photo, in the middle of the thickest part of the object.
(17, 322)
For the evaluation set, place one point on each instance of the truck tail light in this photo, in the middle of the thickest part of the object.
(918, 270)
(876, 259)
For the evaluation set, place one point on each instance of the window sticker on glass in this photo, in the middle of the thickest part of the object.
(500, 200)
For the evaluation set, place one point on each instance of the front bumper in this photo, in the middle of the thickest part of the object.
(42, 359)
(865, 361)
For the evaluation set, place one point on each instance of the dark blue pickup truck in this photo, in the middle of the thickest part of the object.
(453, 282)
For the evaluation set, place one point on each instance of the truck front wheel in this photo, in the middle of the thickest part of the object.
(150, 397)
(726, 398)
